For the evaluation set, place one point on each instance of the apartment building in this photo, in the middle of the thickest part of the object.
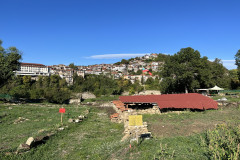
(33, 69)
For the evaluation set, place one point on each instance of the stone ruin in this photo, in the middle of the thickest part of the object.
(123, 111)
(80, 118)
(122, 116)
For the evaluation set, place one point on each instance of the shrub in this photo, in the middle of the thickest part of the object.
(57, 95)
(224, 142)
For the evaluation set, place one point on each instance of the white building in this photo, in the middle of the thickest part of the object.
(33, 69)
(120, 68)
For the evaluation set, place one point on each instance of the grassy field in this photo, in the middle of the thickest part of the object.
(188, 123)
(36, 121)
(175, 136)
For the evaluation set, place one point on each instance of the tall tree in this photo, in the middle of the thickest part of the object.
(237, 62)
(233, 74)
(220, 75)
(9, 62)
(237, 58)
(72, 66)
(182, 69)
(186, 71)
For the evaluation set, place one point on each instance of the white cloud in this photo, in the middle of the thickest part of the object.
(117, 56)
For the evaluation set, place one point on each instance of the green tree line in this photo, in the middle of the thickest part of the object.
(182, 72)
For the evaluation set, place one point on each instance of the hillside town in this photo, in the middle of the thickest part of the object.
(119, 80)
(131, 71)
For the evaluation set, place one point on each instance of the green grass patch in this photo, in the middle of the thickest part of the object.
(230, 98)
(38, 120)
(188, 135)
(188, 123)
(95, 138)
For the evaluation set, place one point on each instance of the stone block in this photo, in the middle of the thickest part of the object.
(30, 141)
(23, 148)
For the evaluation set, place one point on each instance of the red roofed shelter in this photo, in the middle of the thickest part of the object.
(172, 101)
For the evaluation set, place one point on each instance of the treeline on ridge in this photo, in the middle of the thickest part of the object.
(182, 72)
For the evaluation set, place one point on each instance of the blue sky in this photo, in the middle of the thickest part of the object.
(104, 31)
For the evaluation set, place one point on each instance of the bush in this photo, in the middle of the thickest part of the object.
(56, 95)
(223, 142)
(20, 92)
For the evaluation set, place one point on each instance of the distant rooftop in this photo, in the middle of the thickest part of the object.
(31, 64)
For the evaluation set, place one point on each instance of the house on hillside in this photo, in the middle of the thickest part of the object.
(153, 55)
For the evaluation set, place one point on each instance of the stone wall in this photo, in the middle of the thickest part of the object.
(75, 98)
(88, 95)
(125, 94)
(107, 104)
(150, 92)
(74, 101)
(147, 92)
(153, 110)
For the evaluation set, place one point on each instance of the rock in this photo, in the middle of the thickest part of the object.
(150, 92)
(88, 95)
(107, 104)
(125, 94)
(86, 111)
(61, 129)
(74, 101)
(17, 120)
(9, 107)
(81, 117)
(223, 99)
(23, 148)
(30, 141)
(41, 130)
(70, 120)
(77, 120)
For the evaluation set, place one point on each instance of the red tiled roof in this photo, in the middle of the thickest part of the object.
(115, 115)
(120, 105)
(190, 100)
(32, 64)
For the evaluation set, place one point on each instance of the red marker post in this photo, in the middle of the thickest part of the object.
(62, 110)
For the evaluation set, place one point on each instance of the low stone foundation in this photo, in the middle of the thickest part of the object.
(123, 114)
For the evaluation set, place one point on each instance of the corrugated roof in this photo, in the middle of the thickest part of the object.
(190, 100)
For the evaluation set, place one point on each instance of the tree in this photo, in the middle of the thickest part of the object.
(237, 62)
(182, 68)
(220, 75)
(57, 95)
(9, 62)
(124, 61)
(72, 66)
(237, 59)
(233, 74)
(186, 71)
(139, 72)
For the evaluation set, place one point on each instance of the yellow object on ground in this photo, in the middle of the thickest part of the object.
(135, 120)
